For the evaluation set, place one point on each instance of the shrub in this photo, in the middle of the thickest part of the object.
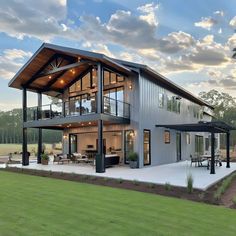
(73, 174)
(93, 177)
(224, 186)
(135, 182)
(151, 185)
(167, 186)
(201, 196)
(189, 183)
(120, 180)
(106, 179)
(234, 200)
(45, 156)
(133, 156)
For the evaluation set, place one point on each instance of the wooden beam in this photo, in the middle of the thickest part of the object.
(63, 68)
(53, 81)
(35, 76)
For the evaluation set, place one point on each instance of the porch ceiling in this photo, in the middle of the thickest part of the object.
(52, 68)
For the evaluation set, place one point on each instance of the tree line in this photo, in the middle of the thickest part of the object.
(11, 121)
(11, 129)
(224, 110)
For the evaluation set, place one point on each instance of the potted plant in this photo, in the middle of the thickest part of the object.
(44, 159)
(133, 160)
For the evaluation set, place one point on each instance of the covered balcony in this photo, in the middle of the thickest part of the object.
(78, 107)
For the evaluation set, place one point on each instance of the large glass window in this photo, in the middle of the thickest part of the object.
(173, 103)
(73, 147)
(146, 147)
(94, 78)
(106, 78)
(86, 81)
(113, 78)
(90, 80)
(207, 144)
(113, 101)
(199, 144)
(129, 143)
(161, 98)
(82, 104)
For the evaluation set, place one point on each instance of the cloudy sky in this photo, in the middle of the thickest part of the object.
(190, 42)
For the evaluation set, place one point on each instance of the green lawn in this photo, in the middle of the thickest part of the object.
(31, 205)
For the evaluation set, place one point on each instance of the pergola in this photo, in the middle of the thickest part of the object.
(211, 127)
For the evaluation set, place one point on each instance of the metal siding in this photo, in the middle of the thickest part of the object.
(151, 114)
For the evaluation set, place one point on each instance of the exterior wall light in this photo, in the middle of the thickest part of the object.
(64, 136)
(132, 133)
(130, 86)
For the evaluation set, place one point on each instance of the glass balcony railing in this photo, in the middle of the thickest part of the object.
(78, 107)
(115, 107)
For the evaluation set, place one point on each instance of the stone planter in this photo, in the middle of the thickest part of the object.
(44, 162)
(133, 164)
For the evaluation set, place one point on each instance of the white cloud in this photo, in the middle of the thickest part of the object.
(233, 22)
(149, 11)
(39, 19)
(102, 48)
(219, 13)
(232, 41)
(206, 23)
(10, 62)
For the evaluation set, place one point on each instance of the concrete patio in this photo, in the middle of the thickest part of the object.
(174, 174)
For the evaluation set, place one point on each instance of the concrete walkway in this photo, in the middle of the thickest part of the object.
(174, 174)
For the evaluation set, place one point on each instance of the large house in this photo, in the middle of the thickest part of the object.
(108, 108)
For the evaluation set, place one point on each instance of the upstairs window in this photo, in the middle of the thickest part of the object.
(90, 80)
(111, 77)
(81, 84)
(161, 98)
(173, 104)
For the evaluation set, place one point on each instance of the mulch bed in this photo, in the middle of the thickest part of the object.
(172, 191)
(228, 196)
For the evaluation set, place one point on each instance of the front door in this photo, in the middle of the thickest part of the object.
(178, 146)
(147, 147)
(73, 143)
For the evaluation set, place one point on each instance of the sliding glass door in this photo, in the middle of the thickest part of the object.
(73, 143)
(199, 144)
(146, 147)
(129, 144)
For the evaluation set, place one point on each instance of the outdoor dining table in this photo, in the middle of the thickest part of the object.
(207, 157)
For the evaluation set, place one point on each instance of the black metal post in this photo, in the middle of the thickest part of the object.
(25, 155)
(212, 153)
(39, 130)
(100, 158)
(228, 150)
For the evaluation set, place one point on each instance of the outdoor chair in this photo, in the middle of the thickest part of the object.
(61, 159)
(194, 159)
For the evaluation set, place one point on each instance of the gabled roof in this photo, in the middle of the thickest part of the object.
(38, 62)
